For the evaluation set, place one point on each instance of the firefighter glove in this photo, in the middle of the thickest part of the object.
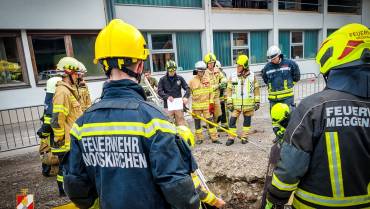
(256, 106)
(211, 108)
(59, 140)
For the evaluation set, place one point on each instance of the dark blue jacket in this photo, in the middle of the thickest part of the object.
(45, 130)
(280, 78)
(124, 151)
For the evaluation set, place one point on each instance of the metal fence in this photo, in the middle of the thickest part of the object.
(18, 126)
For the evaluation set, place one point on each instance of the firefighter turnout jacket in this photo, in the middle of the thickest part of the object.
(280, 79)
(125, 152)
(243, 91)
(84, 96)
(325, 156)
(66, 109)
(202, 93)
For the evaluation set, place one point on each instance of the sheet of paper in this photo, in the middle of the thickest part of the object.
(176, 104)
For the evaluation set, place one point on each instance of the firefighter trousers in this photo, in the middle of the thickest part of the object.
(198, 127)
(246, 123)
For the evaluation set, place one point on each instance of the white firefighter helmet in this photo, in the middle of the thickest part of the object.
(200, 65)
(273, 52)
(51, 84)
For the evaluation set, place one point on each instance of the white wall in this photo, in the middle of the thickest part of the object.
(52, 14)
(35, 96)
(242, 20)
(338, 20)
(299, 20)
(161, 18)
(366, 13)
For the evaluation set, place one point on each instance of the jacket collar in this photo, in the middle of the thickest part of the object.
(72, 89)
(353, 80)
(124, 88)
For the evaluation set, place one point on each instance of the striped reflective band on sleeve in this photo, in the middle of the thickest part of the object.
(59, 178)
(47, 120)
(332, 201)
(335, 165)
(58, 131)
(123, 128)
(61, 109)
(283, 186)
(275, 93)
(299, 205)
(197, 92)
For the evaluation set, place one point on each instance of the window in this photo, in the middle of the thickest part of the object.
(173, 3)
(239, 45)
(345, 6)
(253, 4)
(227, 46)
(301, 5)
(12, 66)
(182, 47)
(84, 51)
(296, 44)
(48, 49)
(161, 50)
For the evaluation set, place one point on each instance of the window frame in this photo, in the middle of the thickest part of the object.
(20, 49)
(68, 47)
(160, 51)
(239, 47)
(291, 44)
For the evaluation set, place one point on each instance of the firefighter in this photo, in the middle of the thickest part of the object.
(169, 88)
(223, 85)
(83, 90)
(280, 114)
(243, 97)
(49, 161)
(325, 153)
(280, 75)
(202, 100)
(124, 153)
(215, 79)
(66, 109)
(207, 197)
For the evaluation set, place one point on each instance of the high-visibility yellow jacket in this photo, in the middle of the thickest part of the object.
(84, 97)
(201, 92)
(215, 77)
(66, 109)
(243, 91)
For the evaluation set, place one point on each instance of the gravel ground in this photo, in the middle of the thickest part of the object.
(235, 173)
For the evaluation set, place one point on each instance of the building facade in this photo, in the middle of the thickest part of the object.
(35, 34)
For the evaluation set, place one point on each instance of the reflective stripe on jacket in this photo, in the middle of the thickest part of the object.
(325, 154)
(66, 109)
(126, 153)
(201, 93)
(243, 91)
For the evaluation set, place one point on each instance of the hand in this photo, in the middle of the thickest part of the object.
(170, 98)
(59, 140)
(185, 100)
(219, 203)
(256, 106)
(211, 108)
